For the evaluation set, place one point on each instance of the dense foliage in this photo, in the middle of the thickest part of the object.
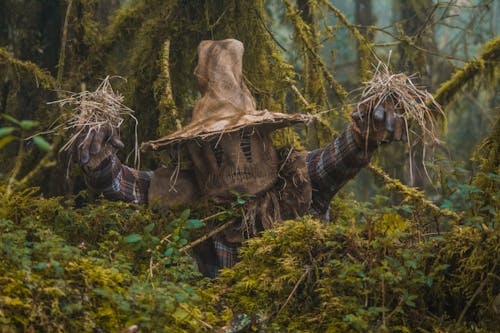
(105, 266)
(393, 258)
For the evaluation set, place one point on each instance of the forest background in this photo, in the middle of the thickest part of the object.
(413, 244)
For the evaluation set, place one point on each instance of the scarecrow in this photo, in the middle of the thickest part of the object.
(228, 142)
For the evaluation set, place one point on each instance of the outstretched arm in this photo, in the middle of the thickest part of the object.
(103, 171)
(331, 166)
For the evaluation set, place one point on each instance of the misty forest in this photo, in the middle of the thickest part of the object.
(364, 138)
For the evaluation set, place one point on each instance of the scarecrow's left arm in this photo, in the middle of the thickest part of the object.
(103, 171)
(331, 166)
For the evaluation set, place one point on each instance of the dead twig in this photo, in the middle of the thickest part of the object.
(207, 236)
(294, 290)
(207, 325)
(476, 293)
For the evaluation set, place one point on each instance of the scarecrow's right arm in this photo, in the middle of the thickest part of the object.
(331, 166)
(103, 171)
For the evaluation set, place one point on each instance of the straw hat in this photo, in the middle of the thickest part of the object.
(226, 104)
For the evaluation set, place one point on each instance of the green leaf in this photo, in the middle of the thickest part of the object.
(40, 265)
(101, 292)
(493, 176)
(446, 204)
(185, 214)
(180, 314)
(57, 267)
(5, 140)
(6, 131)
(168, 252)
(180, 297)
(410, 303)
(411, 263)
(41, 143)
(149, 228)
(193, 224)
(133, 238)
(12, 119)
(28, 124)
(124, 306)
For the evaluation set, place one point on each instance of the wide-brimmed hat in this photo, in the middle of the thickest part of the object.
(226, 104)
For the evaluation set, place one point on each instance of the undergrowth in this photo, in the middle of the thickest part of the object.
(100, 267)
(373, 270)
(107, 266)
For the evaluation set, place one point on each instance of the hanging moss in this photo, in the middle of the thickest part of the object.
(314, 87)
(301, 29)
(81, 60)
(364, 46)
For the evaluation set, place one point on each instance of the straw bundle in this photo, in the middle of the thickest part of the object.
(95, 110)
(414, 105)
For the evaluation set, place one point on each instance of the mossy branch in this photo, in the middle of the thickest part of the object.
(411, 193)
(301, 29)
(64, 38)
(487, 61)
(168, 113)
(45, 162)
(488, 151)
(41, 76)
(364, 46)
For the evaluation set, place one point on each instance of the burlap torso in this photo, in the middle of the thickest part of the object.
(290, 197)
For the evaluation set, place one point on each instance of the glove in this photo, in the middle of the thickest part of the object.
(380, 125)
(96, 145)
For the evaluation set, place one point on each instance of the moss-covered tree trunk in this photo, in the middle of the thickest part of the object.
(364, 17)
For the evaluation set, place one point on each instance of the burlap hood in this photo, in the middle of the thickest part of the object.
(226, 104)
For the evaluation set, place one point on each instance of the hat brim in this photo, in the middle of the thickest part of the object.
(206, 129)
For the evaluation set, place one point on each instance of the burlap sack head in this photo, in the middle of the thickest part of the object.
(226, 104)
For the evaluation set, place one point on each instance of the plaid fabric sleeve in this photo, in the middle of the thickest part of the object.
(330, 167)
(119, 182)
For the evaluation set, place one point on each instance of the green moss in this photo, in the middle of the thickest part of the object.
(101, 266)
(486, 63)
(40, 76)
(376, 273)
